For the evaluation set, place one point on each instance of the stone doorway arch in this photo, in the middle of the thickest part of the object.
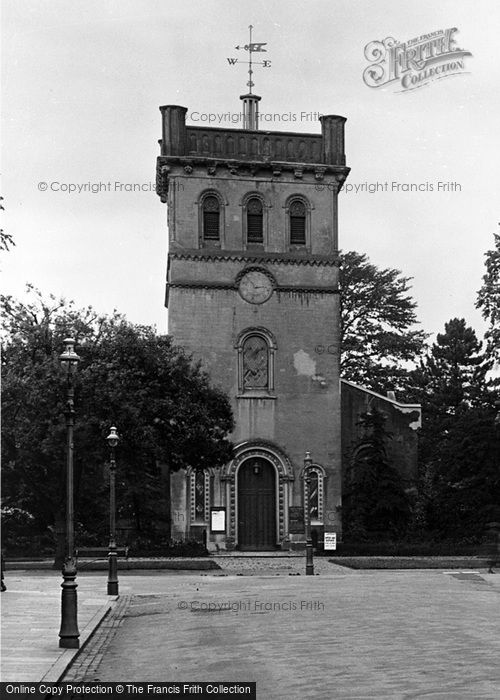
(283, 474)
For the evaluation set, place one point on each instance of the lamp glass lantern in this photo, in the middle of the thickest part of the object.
(69, 359)
(113, 437)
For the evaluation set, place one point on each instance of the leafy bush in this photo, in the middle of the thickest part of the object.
(144, 547)
(20, 537)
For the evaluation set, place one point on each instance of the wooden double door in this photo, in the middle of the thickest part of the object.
(256, 505)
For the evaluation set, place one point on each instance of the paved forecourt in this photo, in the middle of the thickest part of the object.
(342, 634)
(31, 610)
(31, 617)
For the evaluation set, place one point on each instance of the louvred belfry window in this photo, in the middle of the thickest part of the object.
(255, 228)
(255, 363)
(297, 223)
(211, 218)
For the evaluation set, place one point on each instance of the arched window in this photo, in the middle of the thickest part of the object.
(297, 214)
(255, 221)
(313, 496)
(199, 495)
(256, 348)
(255, 363)
(211, 218)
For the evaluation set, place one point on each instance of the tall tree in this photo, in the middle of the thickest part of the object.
(488, 299)
(164, 407)
(378, 335)
(467, 495)
(453, 375)
(458, 441)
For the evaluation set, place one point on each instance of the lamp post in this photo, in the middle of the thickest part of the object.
(307, 516)
(68, 633)
(112, 441)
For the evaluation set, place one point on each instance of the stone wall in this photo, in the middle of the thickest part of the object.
(402, 420)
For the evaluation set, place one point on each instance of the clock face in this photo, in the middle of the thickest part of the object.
(255, 287)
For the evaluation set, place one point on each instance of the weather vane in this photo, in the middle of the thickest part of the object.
(251, 48)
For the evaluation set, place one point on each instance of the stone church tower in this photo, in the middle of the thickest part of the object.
(252, 291)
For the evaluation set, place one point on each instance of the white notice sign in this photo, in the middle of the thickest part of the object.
(218, 519)
(330, 540)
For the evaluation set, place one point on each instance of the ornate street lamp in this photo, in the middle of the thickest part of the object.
(307, 515)
(112, 440)
(69, 634)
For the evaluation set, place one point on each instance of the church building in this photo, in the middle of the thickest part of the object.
(252, 292)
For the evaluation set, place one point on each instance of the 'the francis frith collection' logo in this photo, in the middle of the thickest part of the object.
(414, 63)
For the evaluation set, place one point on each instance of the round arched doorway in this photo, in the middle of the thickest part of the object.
(256, 504)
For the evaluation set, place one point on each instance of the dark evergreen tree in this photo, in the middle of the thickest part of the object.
(458, 439)
(453, 375)
(488, 300)
(468, 483)
(379, 340)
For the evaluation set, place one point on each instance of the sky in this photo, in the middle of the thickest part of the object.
(82, 83)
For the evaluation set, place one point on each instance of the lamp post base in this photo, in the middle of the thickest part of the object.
(69, 643)
(112, 571)
(309, 560)
(69, 634)
(112, 587)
